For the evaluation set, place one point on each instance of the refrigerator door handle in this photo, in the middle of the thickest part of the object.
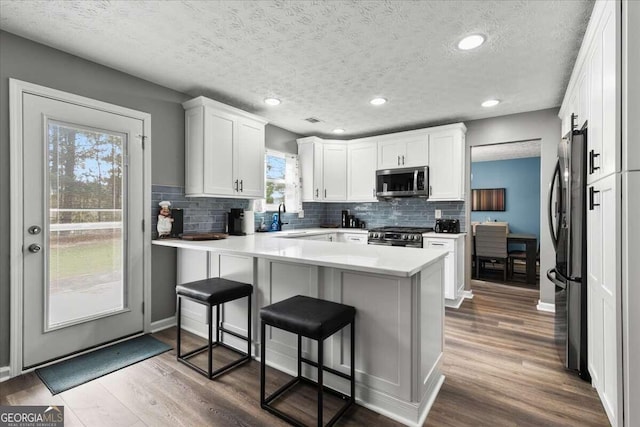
(552, 230)
(553, 278)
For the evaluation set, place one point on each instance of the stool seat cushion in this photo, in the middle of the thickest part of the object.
(215, 290)
(309, 317)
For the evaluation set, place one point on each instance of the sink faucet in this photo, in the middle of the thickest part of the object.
(284, 210)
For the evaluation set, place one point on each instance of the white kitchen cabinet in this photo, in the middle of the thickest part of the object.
(446, 164)
(323, 166)
(326, 237)
(355, 238)
(405, 149)
(195, 265)
(453, 265)
(224, 151)
(362, 159)
(334, 172)
(603, 294)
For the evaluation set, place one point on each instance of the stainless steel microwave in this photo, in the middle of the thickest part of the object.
(404, 182)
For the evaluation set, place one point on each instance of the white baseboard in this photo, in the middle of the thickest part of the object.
(160, 325)
(454, 303)
(468, 294)
(545, 306)
(4, 373)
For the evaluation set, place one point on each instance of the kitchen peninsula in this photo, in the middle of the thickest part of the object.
(397, 292)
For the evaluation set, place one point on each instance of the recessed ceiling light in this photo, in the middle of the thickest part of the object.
(471, 42)
(272, 101)
(491, 103)
(378, 101)
(338, 130)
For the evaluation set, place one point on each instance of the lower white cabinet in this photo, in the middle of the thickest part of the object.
(603, 296)
(453, 266)
(198, 265)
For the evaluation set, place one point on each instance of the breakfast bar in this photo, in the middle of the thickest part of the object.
(397, 293)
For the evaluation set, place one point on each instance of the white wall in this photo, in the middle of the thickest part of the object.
(543, 125)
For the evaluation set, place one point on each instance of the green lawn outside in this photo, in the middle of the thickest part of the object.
(80, 259)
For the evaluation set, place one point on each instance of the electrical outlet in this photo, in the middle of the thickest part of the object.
(300, 214)
(438, 214)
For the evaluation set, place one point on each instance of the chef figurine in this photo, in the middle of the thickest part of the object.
(164, 220)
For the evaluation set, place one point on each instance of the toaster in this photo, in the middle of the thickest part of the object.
(447, 226)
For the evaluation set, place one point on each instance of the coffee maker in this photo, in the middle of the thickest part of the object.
(235, 222)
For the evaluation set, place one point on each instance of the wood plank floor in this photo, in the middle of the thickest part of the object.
(500, 365)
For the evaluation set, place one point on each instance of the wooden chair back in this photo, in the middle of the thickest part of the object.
(491, 241)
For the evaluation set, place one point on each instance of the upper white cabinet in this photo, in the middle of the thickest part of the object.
(404, 149)
(362, 160)
(446, 164)
(339, 171)
(593, 94)
(323, 167)
(224, 150)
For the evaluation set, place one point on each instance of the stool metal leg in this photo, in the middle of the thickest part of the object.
(249, 326)
(320, 380)
(263, 363)
(353, 361)
(299, 356)
(178, 314)
(218, 337)
(209, 343)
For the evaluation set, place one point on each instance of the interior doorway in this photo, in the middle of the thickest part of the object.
(505, 212)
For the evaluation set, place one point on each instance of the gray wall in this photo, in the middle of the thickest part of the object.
(543, 125)
(35, 63)
(281, 139)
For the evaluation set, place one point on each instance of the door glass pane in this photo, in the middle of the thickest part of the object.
(86, 241)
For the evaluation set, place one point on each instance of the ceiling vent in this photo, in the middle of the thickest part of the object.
(312, 120)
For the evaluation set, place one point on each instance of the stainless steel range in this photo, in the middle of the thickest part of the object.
(398, 236)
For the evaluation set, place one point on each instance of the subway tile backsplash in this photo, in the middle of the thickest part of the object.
(204, 214)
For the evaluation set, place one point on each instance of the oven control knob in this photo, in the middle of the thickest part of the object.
(418, 237)
(412, 237)
(404, 237)
(375, 235)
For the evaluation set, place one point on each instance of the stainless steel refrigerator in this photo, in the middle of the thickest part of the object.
(568, 225)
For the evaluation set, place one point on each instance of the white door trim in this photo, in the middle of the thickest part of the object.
(16, 90)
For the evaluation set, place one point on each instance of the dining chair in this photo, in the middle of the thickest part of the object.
(491, 245)
(521, 255)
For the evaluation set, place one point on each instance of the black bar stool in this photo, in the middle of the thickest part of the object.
(214, 292)
(316, 319)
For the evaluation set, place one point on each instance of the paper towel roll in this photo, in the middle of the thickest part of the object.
(249, 224)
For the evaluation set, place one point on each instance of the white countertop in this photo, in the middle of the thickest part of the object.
(393, 261)
(444, 235)
(314, 232)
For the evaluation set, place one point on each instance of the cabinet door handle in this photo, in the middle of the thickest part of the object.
(592, 193)
(592, 158)
(317, 193)
(430, 190)
(236, 184)
(325, 192)
(374, 192)
(403, 160)
(398, 160)
(241, 186)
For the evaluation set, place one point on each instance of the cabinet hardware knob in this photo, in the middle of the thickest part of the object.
(241, 186)
(403, 160)
(236, 184)
(317, 193)
(325, 192)
(398, 160)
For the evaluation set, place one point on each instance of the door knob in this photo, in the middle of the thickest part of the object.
(34, 248)
(34, 229)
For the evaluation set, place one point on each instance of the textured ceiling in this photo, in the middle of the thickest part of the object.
(327, 59)
(512, 150)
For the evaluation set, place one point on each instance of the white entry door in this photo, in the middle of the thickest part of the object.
(83, 230)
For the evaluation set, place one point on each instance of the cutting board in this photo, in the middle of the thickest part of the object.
(204, 236)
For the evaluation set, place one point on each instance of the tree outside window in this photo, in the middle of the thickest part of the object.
(281, 181)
